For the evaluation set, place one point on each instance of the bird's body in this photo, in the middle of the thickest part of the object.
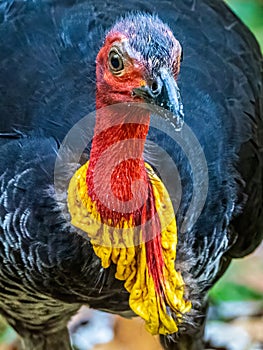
(47, 84)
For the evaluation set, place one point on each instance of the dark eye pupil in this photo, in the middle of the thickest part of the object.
(115, 62)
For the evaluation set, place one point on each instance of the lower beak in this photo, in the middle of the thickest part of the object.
(164, 93)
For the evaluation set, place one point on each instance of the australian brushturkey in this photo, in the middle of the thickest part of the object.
(71, 235)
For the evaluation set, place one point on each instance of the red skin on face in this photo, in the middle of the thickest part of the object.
(117, 89)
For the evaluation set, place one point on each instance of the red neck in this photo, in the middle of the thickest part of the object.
(116, 176)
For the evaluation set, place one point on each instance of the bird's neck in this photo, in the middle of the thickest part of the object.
(116, 177)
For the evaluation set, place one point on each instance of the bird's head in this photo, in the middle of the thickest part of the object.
(140, 61)
(116, 197)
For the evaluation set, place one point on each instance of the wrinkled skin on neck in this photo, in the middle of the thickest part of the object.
(116, 177)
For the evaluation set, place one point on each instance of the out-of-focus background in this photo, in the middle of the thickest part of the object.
(236, 314)
(251, 12)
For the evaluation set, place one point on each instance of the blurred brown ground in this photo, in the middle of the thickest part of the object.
(130, 335)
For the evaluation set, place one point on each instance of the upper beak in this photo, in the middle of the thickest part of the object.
(164, 93)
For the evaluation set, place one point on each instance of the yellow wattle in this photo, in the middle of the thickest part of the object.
(117, 245)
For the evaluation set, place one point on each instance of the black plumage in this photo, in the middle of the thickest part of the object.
(47, 83)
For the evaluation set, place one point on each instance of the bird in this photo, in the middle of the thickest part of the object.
(165, 99)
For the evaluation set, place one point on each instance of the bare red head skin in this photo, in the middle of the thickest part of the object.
(117, 86)
(129, 69)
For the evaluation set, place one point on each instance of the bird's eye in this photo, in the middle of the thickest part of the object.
(115, 62)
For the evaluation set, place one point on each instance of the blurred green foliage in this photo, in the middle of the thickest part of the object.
(230, 291)
(243, 281)
(7, 334)
(251, 12)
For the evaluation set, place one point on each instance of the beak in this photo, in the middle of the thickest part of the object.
(164, 93)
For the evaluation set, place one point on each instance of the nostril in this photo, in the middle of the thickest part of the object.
(155, 87)
(84, 322)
